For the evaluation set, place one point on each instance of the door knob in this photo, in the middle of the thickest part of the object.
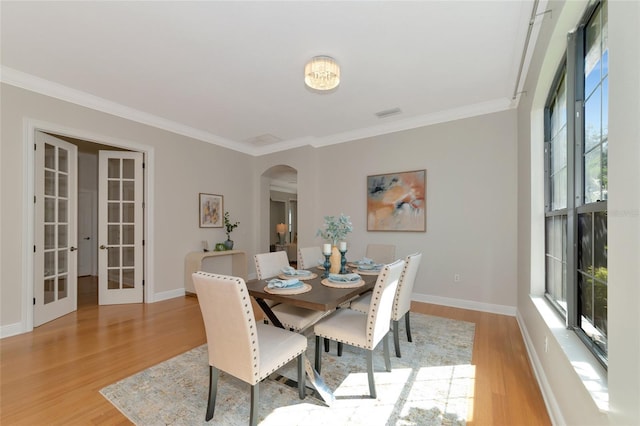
(73, 249)
(103, 247)
(87, 238)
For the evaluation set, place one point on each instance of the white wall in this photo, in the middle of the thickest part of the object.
(182, 167)
(471, 203)
(558, 369)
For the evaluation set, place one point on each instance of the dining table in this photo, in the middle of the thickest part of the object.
(322, 296)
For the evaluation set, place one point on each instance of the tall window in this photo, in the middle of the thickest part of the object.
(576, 146)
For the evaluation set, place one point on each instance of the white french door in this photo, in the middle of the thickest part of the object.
(120, 227)
(55, 251)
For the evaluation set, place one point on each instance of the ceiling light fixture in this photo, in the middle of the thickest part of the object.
(322, 73)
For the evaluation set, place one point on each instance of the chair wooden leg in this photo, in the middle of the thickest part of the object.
(253, 417)
(301, 376)
(396, 338)
(407, 324)
(339, 348)
(326, 345)
(385, 346)
(213, 390)
(318, 360)
(372, 385)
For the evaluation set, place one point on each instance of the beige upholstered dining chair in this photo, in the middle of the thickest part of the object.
(308, 257)
(401, 302)
(364, 330)
(237, 344)
(269, 265)
(381, 253)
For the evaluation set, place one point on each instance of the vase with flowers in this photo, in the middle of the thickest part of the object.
(229, 227)
(335, 230)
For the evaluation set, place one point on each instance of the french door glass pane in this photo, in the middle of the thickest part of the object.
(113, 212)
(49, 156)
(113, 254)
(113, 279)
(113, 190)
(62, 211)
(113, 235)
(128, 234)
(63, 288)
(63, 160)
(128, 168)
(113, 168)
(63, 236)
(49, 237)
(128, 191)
(49, 183)
(49, 263)
(128, 213)
(62, 262)
(128, 278)
(49, 290)
(63, 185)
(128, 256)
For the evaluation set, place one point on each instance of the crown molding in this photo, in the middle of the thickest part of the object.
(453, 114)
(39, 85)
(32, 83)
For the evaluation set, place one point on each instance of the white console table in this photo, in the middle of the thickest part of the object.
(214, 261)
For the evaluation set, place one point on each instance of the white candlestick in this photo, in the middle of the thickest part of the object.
(326, 249)
(343, 246)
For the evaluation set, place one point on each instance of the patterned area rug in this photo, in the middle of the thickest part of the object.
(430, 385)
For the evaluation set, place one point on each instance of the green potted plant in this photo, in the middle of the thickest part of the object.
(229, 227)
(335, 230)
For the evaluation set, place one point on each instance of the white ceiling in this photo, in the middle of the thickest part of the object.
(230, 73)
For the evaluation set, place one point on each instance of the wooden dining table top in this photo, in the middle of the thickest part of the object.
(319, 298)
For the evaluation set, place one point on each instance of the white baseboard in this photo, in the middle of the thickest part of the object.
(11, 330)
(550, 401)
(166, 295)
(465, 304)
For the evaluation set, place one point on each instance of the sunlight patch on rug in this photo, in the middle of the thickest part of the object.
(430, 385)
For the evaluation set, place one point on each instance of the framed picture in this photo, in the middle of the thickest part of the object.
(211, 211)
(397, 201)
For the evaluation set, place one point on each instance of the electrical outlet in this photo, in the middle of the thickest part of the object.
(456, 278)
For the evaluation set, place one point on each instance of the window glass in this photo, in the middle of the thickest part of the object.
(586, 281)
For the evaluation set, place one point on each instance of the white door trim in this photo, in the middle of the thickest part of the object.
(30, 126)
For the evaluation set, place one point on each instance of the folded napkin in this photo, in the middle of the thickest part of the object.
(277, 283)
(364, 261)
(291, 271)
(344, 278)
(371, 267)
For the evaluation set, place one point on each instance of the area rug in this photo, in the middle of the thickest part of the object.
(429, 385)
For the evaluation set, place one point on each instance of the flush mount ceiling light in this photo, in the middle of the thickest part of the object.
(322, 73)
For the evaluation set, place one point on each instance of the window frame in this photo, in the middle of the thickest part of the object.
(572, 71)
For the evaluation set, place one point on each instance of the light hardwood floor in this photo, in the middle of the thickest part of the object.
(53, 375)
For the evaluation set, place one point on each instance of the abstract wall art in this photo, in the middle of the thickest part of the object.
(397, 201)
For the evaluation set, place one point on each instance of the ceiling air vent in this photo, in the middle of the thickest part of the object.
(388, 112)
